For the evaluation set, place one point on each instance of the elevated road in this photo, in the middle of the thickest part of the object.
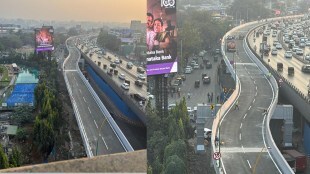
(299, 79)
(130, 74)
(101, 137)
(242, 130)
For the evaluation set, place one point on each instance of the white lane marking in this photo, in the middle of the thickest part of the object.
(241, 126)
(254, 100)
(70, 70)
(256, 93)
(84, 99)
(252, 77)
(254, 82)
(249, 107)
(96, 124)
(240, 136)
(104, 143)
(256, 88)
(249, 163)
(244, 116)
(242, 149)
(80, 91)
(89, 110)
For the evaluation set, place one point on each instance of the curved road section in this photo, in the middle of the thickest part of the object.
(98, 135)
(242, 130)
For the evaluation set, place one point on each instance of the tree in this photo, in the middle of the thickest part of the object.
(15, 157)
(21, 134)
(22, 115)
(44, 136)
(176, 148)
(174, 165)
(4, 162)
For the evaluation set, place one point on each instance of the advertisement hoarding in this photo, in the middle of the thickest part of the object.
(161, 37)
(44, 38)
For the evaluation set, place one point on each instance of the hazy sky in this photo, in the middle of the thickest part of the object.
(78, 10)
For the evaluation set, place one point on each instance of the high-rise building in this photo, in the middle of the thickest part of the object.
(135, 25)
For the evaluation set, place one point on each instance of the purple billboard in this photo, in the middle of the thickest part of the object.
(44, 38)
(161, 37)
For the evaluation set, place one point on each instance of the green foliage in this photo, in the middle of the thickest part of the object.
(166, 138)
(21, 134)
(176, 148)
(22, 115)
(4, 162)
(174, 165)
(44, 136)
(106, 40)
(15, 158)
(251, 9)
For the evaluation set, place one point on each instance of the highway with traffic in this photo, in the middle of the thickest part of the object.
(129, 74)
(101, 137)
(299, 79)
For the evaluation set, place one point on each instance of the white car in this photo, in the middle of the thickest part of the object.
(299, 52)
(274, 52)
(122, 76)
(150, 96)
(207, 133)
(279, 46)
(116, 61)
(196, 66)
(307, 57)
(142, 77)
(171, 106)
(188, 71)
(125, 86)
(295, 48)
(308, 43)
(288, 54)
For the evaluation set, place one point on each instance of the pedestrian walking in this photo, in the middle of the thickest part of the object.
(217, 98)
(237, 105)
(211, 97)
(188, 95)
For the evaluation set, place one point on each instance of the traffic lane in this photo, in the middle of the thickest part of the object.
(230, 126)
(300, 79)
(96, 118)
(240, 162)
(252, 126)
(92, 116)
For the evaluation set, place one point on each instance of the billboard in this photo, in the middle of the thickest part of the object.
(161, 37)
(44, 38)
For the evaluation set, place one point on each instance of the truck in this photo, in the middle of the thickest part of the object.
(231, 46)
(264, 48)
(300, 159)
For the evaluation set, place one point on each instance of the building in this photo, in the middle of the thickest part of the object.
(135, 25)
(7, 28)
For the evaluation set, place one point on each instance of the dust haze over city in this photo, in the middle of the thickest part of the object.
(98, 11)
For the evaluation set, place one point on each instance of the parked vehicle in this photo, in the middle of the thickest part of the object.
(300, 159)
(197, 83)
